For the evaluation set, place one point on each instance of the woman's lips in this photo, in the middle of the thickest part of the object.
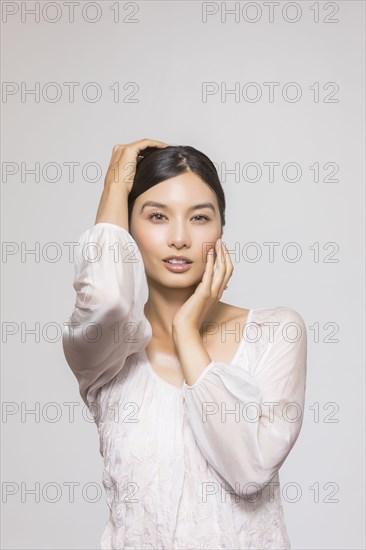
(177, 268)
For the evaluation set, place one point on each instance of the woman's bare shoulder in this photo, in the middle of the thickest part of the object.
(228, 313)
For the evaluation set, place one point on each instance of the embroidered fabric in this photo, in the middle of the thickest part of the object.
(195, 467)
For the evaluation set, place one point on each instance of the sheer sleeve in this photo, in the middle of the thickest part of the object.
(108, 322)
(246, 420)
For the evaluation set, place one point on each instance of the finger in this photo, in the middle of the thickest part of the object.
(209, 270)
(229, 268)
(144, 143)
(220, 273)
(133, 149)
(224, 271)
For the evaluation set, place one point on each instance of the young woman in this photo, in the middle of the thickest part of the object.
(197, 402)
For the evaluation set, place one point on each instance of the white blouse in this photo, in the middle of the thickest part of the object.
(191, 467)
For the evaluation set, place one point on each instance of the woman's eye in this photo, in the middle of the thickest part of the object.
(202, 216)
(155, 214)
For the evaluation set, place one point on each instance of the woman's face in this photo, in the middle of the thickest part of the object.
(175, 228)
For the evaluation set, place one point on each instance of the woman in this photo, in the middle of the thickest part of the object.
(197, 402)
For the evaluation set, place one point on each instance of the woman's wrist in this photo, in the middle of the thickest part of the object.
(113, 205)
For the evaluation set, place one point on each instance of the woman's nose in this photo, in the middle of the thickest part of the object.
(179, 236)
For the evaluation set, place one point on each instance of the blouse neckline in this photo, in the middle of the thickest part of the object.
(180, 389)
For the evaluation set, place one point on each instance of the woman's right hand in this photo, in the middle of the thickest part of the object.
(122, 166)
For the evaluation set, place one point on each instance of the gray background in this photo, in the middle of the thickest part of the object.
(169, 51)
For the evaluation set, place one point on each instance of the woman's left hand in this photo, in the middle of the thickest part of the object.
(209, 291)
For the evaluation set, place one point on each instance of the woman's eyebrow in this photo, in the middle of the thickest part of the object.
(161, 205)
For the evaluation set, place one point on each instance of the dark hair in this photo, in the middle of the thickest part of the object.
(159, 164)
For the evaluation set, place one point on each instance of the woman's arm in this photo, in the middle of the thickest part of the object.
(247, 419)
(108, 322)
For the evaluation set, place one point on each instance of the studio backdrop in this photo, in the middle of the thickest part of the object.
(273, 93)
